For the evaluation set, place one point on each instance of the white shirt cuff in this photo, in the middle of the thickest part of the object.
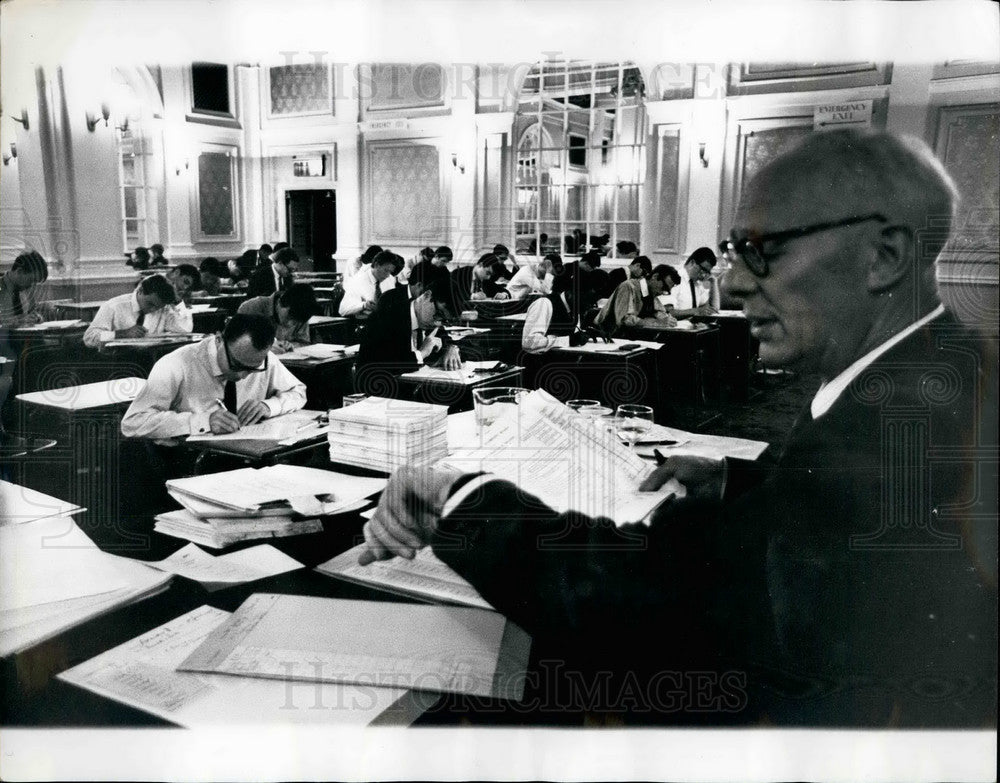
(464, 491)
(199, 422)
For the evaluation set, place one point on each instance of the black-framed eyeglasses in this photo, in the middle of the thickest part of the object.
(236, 366)
(750, 249)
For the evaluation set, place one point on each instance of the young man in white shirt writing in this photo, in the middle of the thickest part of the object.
(152, 308)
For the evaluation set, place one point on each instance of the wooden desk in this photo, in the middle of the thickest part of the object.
(327, 380)
(456, 393)
(82, 310)
(257, 453)
(689, 362)
(598, 371)
(737, 349)
(208, 320)
(228, 302)
(142, 354)
(332, 329)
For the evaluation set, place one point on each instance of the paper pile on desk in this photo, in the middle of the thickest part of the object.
(383, 434)
(53, 577)
(241, 505)
(571, 462)
(143, 674)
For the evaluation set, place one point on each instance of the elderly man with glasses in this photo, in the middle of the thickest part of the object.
(846, 579)
(218, 385)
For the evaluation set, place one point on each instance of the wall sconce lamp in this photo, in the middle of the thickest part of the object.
(23, 119)
(456, 164)
(702, 156)
(6, 159)
(93, 119)
(185, 164)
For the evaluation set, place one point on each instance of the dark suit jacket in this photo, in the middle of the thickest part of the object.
(384, 351)
(849, 580)
(261, 281)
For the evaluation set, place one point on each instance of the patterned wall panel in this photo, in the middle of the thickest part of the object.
(405, 198)
(668, 187)
(216, 196)
(300, 89)
(398, 86)
(760, 147)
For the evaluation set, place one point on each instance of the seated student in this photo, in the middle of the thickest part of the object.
(424, 254)
(693, 296)
(185, 279)
(17, 290)
(276, 276)
(535, 279)
(139, 259)
(553, 321)
(213, 275)
(616, 277)
(156, 257)
(403, 332)
(506, 258)
(355, 266)
(629, 307)
(150, 309)
(476, 282)
(217, 385)
(264, 253)
(365, 288)
(240, 269)
(442, 256)
(537, 245)
(592, 281)
(289, 311)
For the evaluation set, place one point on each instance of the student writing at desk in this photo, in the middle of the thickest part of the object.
(630, 306)
(217, 385)
(185, 279)
(695, 293)
(289, 312)
(553, 321)
(535, 279)
(214, 275)
(17, 290)
(477, 282)
(276, 276)
(403, 334)
(363, 290)
(150, 309)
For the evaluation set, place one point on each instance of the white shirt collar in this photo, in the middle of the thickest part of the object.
(831, 390)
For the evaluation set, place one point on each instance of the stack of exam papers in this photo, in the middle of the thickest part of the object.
(384, 434)
(53, 577)
(250, 503)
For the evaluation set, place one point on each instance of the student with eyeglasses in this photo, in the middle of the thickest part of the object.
(218, 385)
(693, 295)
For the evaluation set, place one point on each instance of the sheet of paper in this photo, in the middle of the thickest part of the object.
(286, 430)
(470, 373)
(142, 673)
(89, 395)
(53, 560)
(249, 488)
(569, 461)
(437, 648)
(20, 504)
(247, 565)
(317, 351)
(599, 346)
(46, 325)
(153, 340)
(424, 576)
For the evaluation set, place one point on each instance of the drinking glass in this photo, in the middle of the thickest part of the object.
(578, 405)
(495, 401)
(631, 421)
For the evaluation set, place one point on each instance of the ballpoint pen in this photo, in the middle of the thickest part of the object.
(319, 421)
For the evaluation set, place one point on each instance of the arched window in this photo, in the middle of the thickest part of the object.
(580, 134)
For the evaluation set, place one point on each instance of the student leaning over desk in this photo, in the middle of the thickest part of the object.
(152, 308)
(220, 384)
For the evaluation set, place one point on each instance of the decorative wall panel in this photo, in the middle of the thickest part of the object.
(216, 194)
(402, 86)
(405, 193)
(300, 89)
(758, 78)
(668, 187)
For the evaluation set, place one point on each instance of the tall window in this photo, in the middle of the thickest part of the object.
(138, 199)
(580, 135)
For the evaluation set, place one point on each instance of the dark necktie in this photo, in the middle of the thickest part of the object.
(229, 396)
(140, 319)
(694, 296)
(378, 291)
(17, 307)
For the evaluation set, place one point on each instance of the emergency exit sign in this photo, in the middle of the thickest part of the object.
(836, 115)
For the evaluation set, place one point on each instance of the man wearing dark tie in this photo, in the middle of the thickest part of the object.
(403, 332)
(692, 297)
(276, 276)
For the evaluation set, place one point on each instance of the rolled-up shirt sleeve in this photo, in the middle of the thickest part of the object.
(536, 323)
(150, 414)
(285, 392)
(178, 318)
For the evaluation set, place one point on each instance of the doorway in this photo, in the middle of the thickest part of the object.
(311, 217)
